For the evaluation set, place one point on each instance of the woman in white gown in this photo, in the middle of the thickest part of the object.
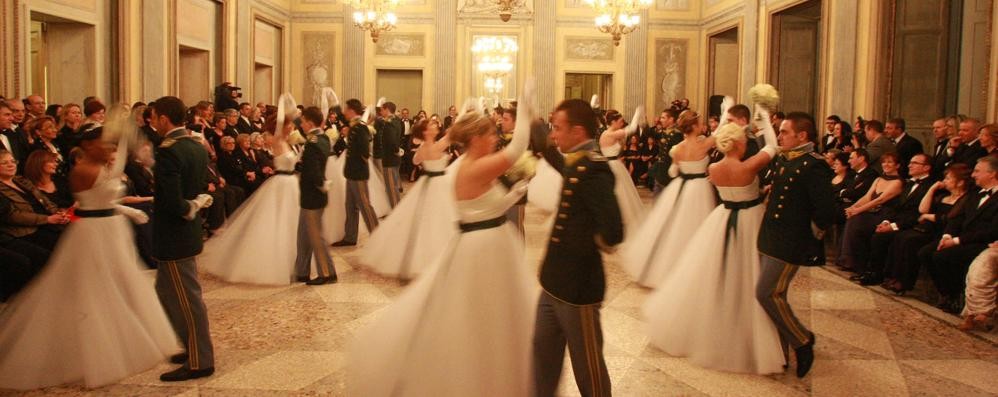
(91, 315)
(258, 243)
(464, 327)
(650, 254)
(419, 228)
(705, 308)
(632, 210)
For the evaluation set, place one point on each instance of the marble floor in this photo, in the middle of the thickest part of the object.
(291, 341)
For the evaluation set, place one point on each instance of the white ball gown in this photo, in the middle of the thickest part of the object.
(334, 217)
(465, 326)
(418, 229)
(650, 254)
(258, 243)
(705, 308)
(91, 316)
(632, 210)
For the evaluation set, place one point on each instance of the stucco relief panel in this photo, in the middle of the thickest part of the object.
(588, 49)
(318, 49)
(401, 44)
(670, 70)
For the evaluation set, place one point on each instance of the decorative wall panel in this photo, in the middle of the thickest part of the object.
(670, 70)
(588, 49)
(319, 53)
(401, 44)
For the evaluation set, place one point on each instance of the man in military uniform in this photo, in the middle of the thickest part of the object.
(357, 172)
(180, 178)
(313, 202)
(801, 207)
(391, 142)
(668, 138)
(588, 222)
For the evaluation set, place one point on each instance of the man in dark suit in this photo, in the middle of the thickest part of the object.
(244, 125)
(967, 234)
(234, 167)
(228, 198)
(907, 147)
(865, 175)
(391, 146)
(572, 275)
(904, 216)
(313, 202)
(879, 144)
(11, 140)
(357, 173)
(451, 116)
(970, 147)
(180, 177)
(800, 208)
(940, 158)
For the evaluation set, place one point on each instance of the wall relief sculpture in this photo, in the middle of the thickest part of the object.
(400, 44)
(588, 49)
(670, 70)
(672, 4)
(491, 7)
(319, 61)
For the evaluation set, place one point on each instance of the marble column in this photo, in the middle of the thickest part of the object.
(543, 52)
(635, 74)
(841, 69)
(354, 40)
(244, 46)
(155, 46)
(445, 55)
(750, 47)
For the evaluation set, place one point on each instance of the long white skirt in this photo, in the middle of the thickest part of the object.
(632, 210)
(259, 243)
(463, 328)
(650, 254)
(705, 308)
(91, 316)
(416, 232)
(334, 217)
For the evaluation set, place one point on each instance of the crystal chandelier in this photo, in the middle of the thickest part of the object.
(495, 60)
(374, 15)
(506, 8)
(618, 17)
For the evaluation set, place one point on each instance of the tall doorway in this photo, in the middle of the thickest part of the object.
(723, 65)
(403, 87)
(585, 85)
(63, 59)
(795, 56)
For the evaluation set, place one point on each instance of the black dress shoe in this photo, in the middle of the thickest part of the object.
(805, 358)
(344, 243)
(179, 358)
(321, 281)
(301, 279)
(871, 278)
(183, 373)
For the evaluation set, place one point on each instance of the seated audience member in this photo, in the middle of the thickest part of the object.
(967, 234)
(862, 178)
(139, 195)
(863, 216)
(21, 260)
(940, 133)
(969, 149)
(878, 144)
(905, 216)
(94, 111)
(54, 111)
(232, 167)
(41, 169)
(250, 160)
(982, 285)
(70, 123)
(988, 138)
(907, 147)
(44, 128)
(33, 217)
(226, 196)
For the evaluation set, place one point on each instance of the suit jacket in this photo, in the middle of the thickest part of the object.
(801, 196)
(968, 154)
(975, 224)
(358, 151)
(18, 146)
(391, 141)
(861, 183)
(180, 175)
(940, 158)
(313, 170)
(877, 148)
(233, 168)
(23, 220)
(908, 147)
(150, 134)
(588, 218)
(905, 214)
(142, 180)
(244, 127)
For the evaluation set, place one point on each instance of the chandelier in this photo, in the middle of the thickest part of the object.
(374, 15)
(618, 17)
(506, 8)
(495, 60)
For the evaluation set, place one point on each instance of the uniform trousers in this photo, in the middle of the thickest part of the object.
(559, 323)
(310, 242)
(358, 202)
(393, 184)
(771, 292)
(180, 294)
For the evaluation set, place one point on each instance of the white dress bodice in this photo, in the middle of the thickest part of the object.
(438, 165)
(491, 204)
(103, 194)
(739, 193)
(694, 167)
(286, 162)
(612, 150)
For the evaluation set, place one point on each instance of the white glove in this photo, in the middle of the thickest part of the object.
(762, 123)
(525, 115)
(639, 115)
(199, 202)
(726, 104)
(137, 216)
(400, 152)
(327, 186)
(381, 101)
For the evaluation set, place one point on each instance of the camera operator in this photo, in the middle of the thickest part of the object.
(226, 97)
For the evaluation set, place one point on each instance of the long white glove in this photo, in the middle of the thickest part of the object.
(726, 104)
(762, 123)
(639, 117)
(526, 111)
(137, 216)
(201, 201)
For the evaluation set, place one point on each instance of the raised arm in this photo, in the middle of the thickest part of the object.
(494, 165)
(768, 152)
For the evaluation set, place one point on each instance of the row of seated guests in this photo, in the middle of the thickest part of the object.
(895, 225)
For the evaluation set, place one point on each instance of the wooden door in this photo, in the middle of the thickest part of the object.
(795, 57)
(919, 66)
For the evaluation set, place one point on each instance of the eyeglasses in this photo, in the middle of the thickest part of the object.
(917, 163)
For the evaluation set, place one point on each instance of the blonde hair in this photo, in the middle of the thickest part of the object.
(470, 125)
(686, 121)
(725, 137)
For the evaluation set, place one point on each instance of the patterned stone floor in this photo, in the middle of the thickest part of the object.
(291, 341)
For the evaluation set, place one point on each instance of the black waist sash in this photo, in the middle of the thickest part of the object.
(431, 174)
(104, 213)
(729, 229)
(282, 172)
(482, 225)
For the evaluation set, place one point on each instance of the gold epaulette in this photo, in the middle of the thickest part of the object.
(167, 143)
(594, 156)
(313, 138)
(793, 154)
(817, 156)
(574, 157)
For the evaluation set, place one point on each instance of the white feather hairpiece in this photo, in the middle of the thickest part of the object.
(594, 101)
(286, 108)
(381, 101)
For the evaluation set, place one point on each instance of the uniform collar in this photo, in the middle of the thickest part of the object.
(798, 151)
(315, 131)
(175, 133)
(586, 145)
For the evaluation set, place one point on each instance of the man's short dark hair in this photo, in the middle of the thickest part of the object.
(834, 118)
(862, 153)
(355, 105)
(578, 112)
(926, 161)
(992, 162)
(875, 125)
(171, 107)
(803, 122)
(4, 105)
(898, 122)
(673, 113)
(244, 104)
(740, 112)
(511, 111)
(389, 105)
(313, 115)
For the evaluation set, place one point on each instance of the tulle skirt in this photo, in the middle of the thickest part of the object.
(416, 232)
(632, 210)
(259, 243)
(463, 328)
(544, 190)
(705, 308)
(650, 254)
(91, 316)
(334, 217)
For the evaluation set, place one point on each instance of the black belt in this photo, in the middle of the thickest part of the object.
(613, 157)
(740, 205)
(692, 176)
(95, 213)
(432, 174)
(732, 224)
(482, 225)
(284, 172)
